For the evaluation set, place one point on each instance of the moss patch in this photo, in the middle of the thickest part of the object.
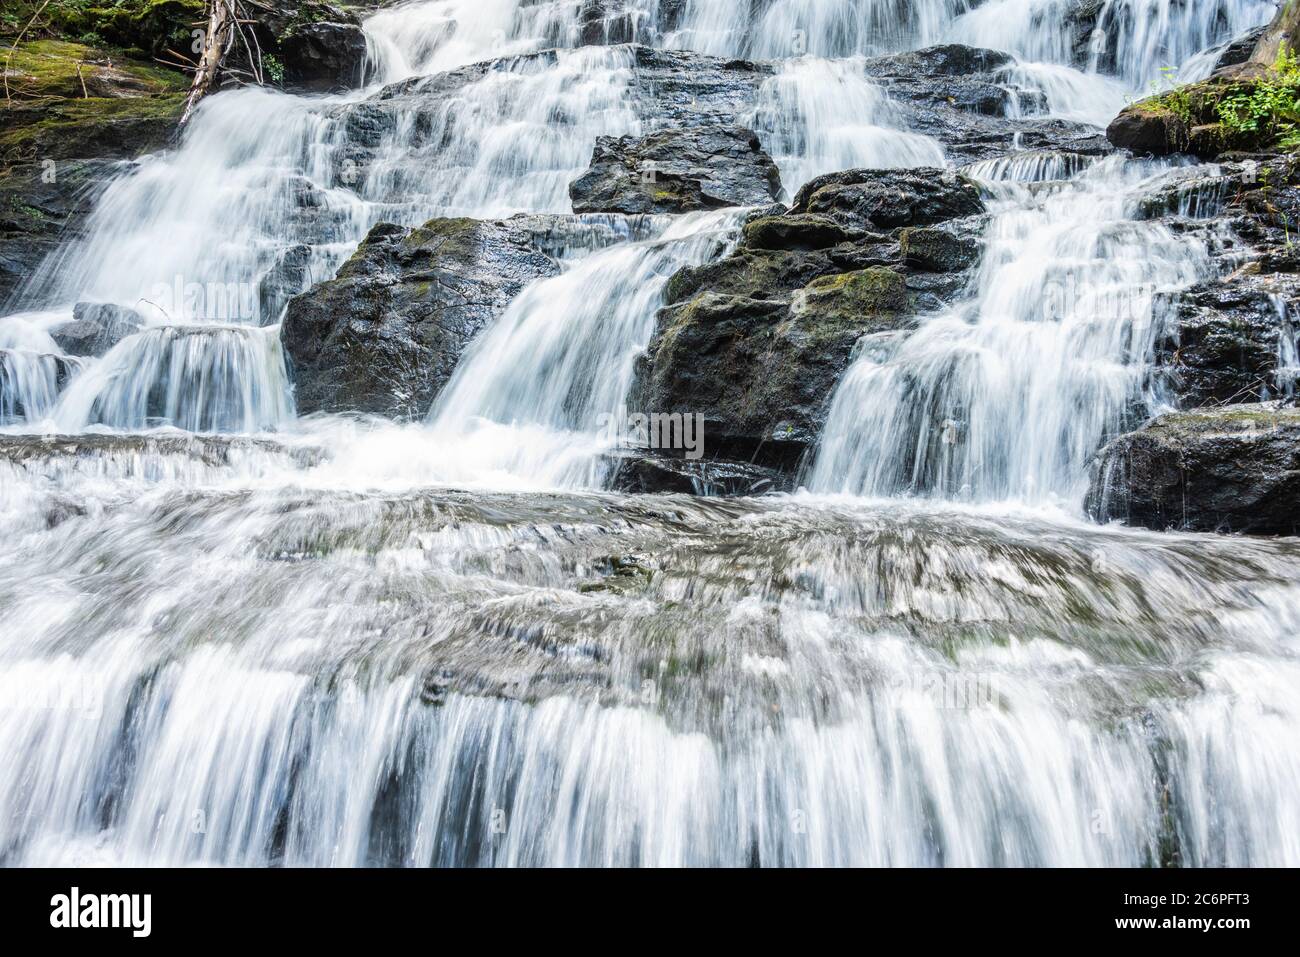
(94, 127)
(860, 296)
(57, 68)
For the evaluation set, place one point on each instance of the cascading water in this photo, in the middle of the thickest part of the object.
(1008, 395)
(314, 647)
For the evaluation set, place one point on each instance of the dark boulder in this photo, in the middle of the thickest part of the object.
(933, 249)
(95, 328)
(324, 56)
(761, 370)
(757, 341)
(1238, 51)
(386, 333)
(886, 199)
(799, 232)
(677, 171)
(318, 47)
(1224, 337)
(1233, 469)
(1149, 128)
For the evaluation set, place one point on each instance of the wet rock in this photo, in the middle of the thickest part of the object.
(931, 249)
(1080, 24)
(58, 145)
(885, 199)
(649, 473)
(1239, 50)
(962, 95)
(677, 171)
(680, 90)
(1225, 337)
(308, 46)
(290, 274)
(759, 371)
(1149, 128)
(799, 232)
(1193, 191)
(37, 214)
(95, 328)
(1234, 469)
(1187, 120)
(386, 333)
(39, 451)
(756, 342)
(614, 21)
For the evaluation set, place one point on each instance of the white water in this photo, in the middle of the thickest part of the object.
(318, 651)
(1009, 394)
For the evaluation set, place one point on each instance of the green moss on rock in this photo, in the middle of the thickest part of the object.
(58, 68)
(862, 296)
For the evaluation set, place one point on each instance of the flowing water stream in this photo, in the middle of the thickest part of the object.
(233, 636)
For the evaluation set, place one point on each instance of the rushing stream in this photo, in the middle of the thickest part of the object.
(236, 636)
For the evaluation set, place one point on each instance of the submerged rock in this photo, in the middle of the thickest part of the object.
(1235, 469)
(648, 473)
(677, 171)
(386, 333)
(95, 328)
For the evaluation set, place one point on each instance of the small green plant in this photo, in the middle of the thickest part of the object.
(1268, 112)
(272, 69)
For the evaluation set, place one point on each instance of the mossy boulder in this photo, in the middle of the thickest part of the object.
(757, 341)
(1232, 469)
(932, 249)
(756, 344)
(865, 298)
(1250, 114)
(797, 232)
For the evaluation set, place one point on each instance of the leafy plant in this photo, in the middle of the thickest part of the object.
(1267, 112)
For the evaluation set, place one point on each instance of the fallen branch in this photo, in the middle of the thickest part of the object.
(220, 24)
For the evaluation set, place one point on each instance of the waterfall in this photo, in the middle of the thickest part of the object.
(194, 377)
(234, 636)
(820, 116)
(1008, 395)
(528, 399)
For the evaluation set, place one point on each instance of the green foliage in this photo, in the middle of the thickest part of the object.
(146, 25)
(273, 68)
(1266, 112)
